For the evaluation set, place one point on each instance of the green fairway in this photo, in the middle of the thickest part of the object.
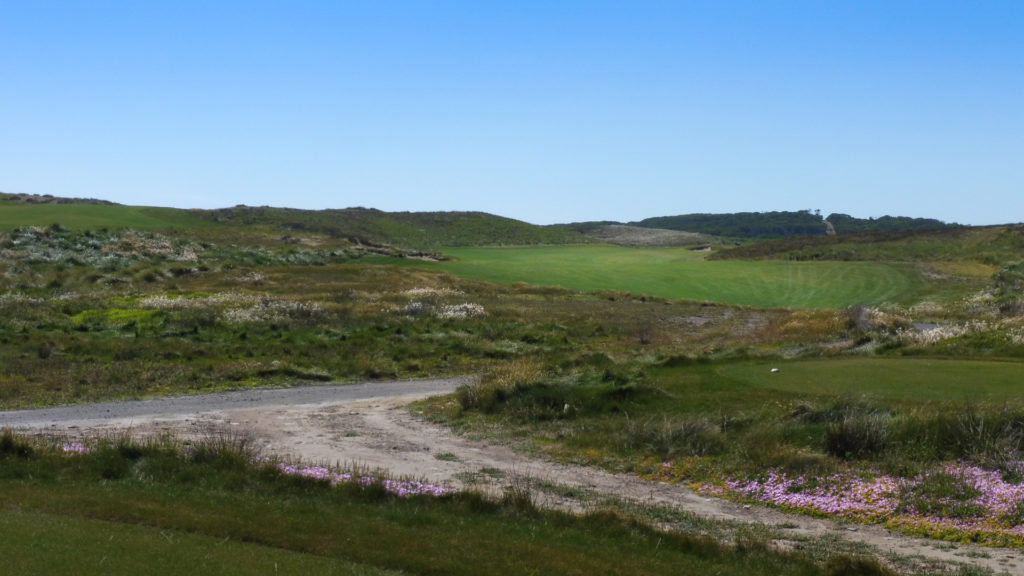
(86, 216)
(682, 273)
(898, 380)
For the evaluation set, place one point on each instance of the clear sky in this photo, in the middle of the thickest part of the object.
(549, 111)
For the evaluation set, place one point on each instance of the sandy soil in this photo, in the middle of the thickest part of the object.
(368, 426)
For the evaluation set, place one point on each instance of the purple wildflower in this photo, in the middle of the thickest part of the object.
(74, 448)
(878, 499)
(401, 488)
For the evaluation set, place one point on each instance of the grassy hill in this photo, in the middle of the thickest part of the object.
(415, 230)
(408, 230)
(19, 210)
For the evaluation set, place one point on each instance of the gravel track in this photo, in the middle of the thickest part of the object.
(107, 413)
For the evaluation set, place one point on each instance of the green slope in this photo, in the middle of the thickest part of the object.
(414, 230)
(91, 216)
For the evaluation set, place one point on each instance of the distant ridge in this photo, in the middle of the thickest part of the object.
(432, 230)
(845, 224)
(626, 235)
(773, 225)
(743, 224)
(48, 199)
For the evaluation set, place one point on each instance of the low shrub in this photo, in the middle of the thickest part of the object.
(844, 565)
(990, 436)
(498, 384)
(673, 437)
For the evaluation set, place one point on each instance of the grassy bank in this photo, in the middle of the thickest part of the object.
(121, 507)
(927, 445)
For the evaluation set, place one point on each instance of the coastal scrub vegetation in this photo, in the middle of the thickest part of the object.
(897, 407)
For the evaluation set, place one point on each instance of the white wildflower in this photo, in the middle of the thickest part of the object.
(460, 311)
(940, 333)
(927, 309)
(164, 302)
(446, 311)
(272, 311)
(19, 298)
(416, 308)
(253, 278)
(431, 291)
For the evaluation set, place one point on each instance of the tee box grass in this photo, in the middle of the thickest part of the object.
(903, 381)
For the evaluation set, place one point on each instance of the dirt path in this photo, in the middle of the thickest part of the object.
(366, 425)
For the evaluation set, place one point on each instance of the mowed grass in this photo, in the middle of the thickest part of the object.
(43, 543)
(92, 216)
(884, 380)
(679, 273)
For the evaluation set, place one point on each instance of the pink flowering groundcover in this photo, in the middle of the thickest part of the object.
(987, 509)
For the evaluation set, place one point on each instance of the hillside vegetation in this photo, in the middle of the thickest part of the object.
(987, 245)
(846, 224)
(743, 224)
(882, 367)
(413, 230)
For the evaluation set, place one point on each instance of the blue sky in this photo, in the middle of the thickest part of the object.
(541, 111)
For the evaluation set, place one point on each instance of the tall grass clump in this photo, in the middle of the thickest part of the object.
(13, 445)
(989, 436)
(857, 435)
(858, 430)
(499, 383)
(845, 565)
(669, 438)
